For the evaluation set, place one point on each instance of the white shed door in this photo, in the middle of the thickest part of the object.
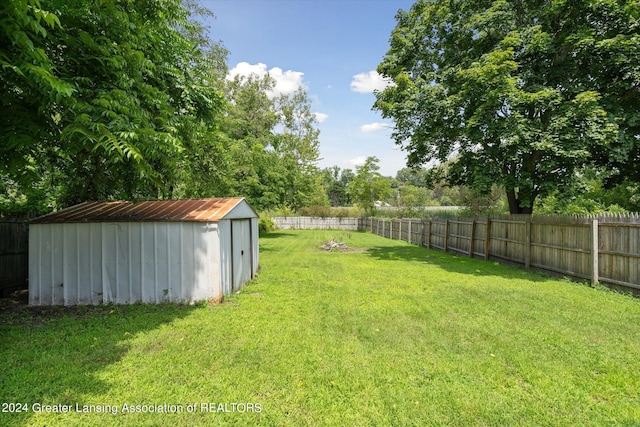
(241, 252)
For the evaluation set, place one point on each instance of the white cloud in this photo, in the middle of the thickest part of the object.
(374, 127)
(358, 161)
(368, 82)
(246, 69)
(321, 117)
(287, 82)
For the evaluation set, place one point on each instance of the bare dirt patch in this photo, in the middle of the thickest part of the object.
(15, 313)
(335, 246)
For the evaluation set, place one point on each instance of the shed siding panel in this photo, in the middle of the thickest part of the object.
(134, 259)
(198, 251)
(187, 281)
(162, 268)
(96, 264)
(57, 264)
(173, 259)
(224, 233)
(123, 290)
(254, 247)
(109, 262)
(69, 262)
(202, 287)
(82, 245)
(148, 275)
(213, 260)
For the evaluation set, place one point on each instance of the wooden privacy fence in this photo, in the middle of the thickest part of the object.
(308, 222)
(600, 249)
(14, 258)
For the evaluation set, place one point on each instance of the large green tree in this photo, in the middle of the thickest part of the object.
(336, 183)
(104, 97)
(30, 88)
(515, 93)
(369, 186)
(143, 93)
(267, 147)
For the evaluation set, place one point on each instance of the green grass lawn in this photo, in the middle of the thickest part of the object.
(385, 333)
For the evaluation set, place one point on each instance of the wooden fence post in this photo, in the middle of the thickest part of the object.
(409, 232)
(473, 238)
(446, 236)
(527, 244)
(429, 235)
(487, 239)
(595, 268)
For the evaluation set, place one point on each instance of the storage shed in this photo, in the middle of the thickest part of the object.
(150, 251)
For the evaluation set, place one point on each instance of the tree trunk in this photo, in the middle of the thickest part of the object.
(514, 206)
(514, 203)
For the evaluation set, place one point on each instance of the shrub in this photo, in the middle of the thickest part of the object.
(344, 212)
(265, 225)
(315, 211)
(333, 212)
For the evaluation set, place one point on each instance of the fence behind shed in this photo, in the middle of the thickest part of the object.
(14, 258)
(310, 223)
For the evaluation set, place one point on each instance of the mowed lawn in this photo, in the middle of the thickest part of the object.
(383, 334)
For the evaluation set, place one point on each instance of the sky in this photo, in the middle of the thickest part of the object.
(329, 47)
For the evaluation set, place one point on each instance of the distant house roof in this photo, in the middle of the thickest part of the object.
(192, 210)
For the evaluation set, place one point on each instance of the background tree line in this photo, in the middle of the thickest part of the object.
(541, 98)
(130, 100)
(521, 105)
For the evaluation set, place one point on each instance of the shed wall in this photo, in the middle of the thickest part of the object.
(226, 258)
(122, 262)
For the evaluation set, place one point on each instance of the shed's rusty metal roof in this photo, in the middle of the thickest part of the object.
(192, 210)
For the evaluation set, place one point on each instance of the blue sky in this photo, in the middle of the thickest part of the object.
(331, 48)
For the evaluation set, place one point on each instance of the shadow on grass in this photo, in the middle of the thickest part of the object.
(273, 235)
(276, 235)
(454, 263)
(53, 355)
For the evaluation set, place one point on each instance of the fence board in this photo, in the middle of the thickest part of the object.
(14, 257)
